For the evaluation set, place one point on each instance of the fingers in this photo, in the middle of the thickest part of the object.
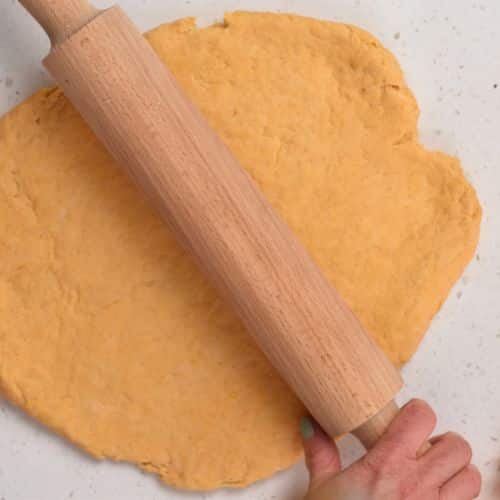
(321, 453)
(408, 432)
(449, 454)
(466, 485)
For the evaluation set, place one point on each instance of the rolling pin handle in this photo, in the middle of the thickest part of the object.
(60, 18)
(370, 432)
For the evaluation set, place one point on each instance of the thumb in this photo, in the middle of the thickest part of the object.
(321, 453)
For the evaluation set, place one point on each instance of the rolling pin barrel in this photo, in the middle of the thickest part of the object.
(136, 108)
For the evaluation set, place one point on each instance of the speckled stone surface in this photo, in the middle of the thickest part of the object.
(449, 54)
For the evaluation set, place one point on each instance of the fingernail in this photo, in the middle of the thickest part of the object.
(306, 428)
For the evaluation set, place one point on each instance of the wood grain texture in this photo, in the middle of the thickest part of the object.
(60, 18)
(307, 331)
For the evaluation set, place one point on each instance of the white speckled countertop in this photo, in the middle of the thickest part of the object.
(449, 51)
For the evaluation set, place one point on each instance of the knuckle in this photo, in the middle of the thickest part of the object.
(391, 454)
(374, 465)
(373, 462)
(383, 474)
(383, 462)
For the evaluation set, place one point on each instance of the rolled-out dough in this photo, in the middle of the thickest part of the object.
(111, 337)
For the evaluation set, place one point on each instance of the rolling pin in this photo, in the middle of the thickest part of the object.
(134, 105)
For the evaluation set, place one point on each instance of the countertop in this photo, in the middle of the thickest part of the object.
(449, 51)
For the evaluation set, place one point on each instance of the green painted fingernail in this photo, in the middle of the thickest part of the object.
(306, 428)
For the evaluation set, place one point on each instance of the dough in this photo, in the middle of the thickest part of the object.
(108, 333)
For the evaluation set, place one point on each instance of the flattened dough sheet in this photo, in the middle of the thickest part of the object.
(111, 337)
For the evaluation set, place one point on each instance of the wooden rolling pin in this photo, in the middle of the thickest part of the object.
(134, 105)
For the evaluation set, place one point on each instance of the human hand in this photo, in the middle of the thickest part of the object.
(392, 470)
